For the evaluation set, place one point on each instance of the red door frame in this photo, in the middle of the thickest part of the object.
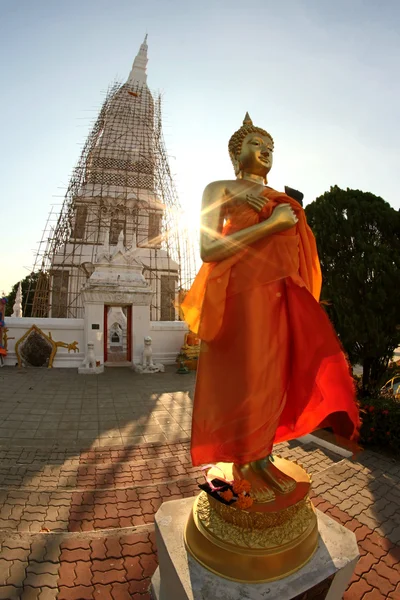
(105, 325)
(128, 332)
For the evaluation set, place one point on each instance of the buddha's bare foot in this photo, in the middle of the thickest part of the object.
(272, 475)
(260, 490)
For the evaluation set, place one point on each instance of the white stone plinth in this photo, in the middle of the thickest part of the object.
(181, 577)
(91, 370)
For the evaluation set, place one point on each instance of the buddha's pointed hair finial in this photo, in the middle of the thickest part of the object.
(247, 120)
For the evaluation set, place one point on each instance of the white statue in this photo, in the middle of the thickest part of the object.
(147, 356)
(120, 244)
(148, 365)
(17, 308)
(89, 367)
(90, 359)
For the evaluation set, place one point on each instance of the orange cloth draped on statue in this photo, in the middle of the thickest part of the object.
(271, 367)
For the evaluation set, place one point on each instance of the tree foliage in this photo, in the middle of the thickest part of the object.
(358, 239)
(28, 290)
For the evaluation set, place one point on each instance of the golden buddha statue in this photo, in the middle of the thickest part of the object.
(190, 351)
(270, 367)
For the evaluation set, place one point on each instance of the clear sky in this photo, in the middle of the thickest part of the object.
(321, 76)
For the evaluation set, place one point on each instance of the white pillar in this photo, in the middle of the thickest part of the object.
(94, 328)
(140, 328)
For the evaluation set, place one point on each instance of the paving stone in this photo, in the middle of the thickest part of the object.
(14, 554)
(120, 591)
(368, 520)
(79, 592)
(374, 595)
(48, 593)
(110, 576)
(383, 585)
(381, 541)
(149, 564)
(42, 568)
(77, 554)
(17, 573)
(55, 488)
(363, 533)
(365, 563)
(395, 594)
(113, 547)
(42, 580)
(139, 587)
(357, 590)
(394, 535)
(9, 592)
(5, 566)
(84, 574)
(133, 567)
(137, 549)
(107, 564)
(103, 591)
(31, 593)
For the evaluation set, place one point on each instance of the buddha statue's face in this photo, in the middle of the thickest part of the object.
(256, 154)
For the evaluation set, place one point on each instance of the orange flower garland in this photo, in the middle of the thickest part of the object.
(227, 495)
(237, 491)
(244, 502)
(241, 485)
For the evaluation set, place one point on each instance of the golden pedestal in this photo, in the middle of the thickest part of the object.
(265, 542)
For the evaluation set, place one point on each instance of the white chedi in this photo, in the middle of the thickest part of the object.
(148, 365)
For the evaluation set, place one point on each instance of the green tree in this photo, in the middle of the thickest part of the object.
(28, 290)
(358, 239)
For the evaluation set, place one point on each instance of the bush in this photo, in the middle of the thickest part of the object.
(381, 422)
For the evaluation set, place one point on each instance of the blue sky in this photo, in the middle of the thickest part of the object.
(322, 77)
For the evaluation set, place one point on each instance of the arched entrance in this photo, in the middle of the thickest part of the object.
(117, 335)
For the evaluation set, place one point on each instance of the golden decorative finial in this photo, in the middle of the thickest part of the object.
(247, 120)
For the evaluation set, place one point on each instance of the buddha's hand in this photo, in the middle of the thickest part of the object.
(284, 216)
(256, 202)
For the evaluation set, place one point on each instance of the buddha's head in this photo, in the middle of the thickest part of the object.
(251, 149)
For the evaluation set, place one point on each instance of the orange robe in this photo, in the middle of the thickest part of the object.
(271, 367)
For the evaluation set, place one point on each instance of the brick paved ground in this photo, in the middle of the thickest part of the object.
(42, 408)
(76, 512)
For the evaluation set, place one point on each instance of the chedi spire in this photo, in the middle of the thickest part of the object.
(138, 72)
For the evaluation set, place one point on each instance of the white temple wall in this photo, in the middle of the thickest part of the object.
(167, 337)
(62, 330)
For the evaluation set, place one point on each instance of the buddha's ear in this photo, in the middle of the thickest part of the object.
(236, 165)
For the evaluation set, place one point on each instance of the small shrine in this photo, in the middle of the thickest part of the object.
(117, 307)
